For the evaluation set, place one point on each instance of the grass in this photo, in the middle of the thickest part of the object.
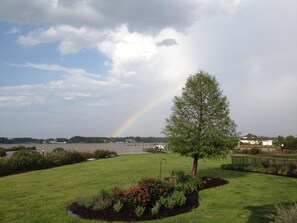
(43, 196)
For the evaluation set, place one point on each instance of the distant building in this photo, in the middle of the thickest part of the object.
(251, 139)
(267, 142)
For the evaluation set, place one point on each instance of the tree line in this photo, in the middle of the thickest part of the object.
(289, 142)
(82, 139)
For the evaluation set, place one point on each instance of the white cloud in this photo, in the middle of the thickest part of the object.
(71, 39)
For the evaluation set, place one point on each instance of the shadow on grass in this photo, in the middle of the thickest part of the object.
(220, 173)
(263, 214)
(260, 213)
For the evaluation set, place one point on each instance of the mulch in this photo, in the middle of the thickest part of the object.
(128, 215)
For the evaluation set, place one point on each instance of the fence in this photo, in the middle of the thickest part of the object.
(256, 160)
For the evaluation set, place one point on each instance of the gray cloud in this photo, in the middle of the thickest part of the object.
(142, 16)
(250, 46)
(167, 42)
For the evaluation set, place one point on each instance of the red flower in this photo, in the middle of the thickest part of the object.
(117, 191)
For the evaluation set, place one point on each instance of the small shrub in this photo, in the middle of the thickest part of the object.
(181, 176)
(60, 156)
(24, 160)
(86, 201)
(271, 170)
(170, 203)
(139, 210)
(74, 157)
(155, 210)
(2, 152)
(57, 157)
(87, 155)
(117, 206)
(102, 201)
(163, 201)
(193, 184)
(176, 199)
(179, 197)
(5, 167)
(284, 214)
(100, 154)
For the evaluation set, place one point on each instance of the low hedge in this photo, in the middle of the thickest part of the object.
(26, 160)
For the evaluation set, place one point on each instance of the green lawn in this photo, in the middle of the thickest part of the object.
(43, 196)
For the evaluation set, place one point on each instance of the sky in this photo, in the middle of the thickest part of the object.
(112, 68)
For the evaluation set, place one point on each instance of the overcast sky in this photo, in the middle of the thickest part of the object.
(111, 68)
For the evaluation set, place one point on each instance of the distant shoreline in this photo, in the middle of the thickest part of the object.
(120, 148)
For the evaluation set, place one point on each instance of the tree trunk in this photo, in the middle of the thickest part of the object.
(195, 166)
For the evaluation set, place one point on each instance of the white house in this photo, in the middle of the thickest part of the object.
(249, 139)
(267, 142)
(255, 140)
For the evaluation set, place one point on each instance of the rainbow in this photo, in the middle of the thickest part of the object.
(146, 107)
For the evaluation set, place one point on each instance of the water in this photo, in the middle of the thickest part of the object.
(120, 148)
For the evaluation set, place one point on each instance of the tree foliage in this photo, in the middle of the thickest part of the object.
(289, 142)
(199, 125)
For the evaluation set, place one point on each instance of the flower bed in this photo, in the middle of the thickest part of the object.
(150, 198)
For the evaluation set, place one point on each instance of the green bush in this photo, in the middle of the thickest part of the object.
(24, 160)
(5, 167)
(57, 157)
(74, 157)
(100, 154)
(2, 152)
(284, 214)
(60, 156)
(87, 155)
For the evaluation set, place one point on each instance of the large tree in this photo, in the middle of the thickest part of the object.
(200, 125)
